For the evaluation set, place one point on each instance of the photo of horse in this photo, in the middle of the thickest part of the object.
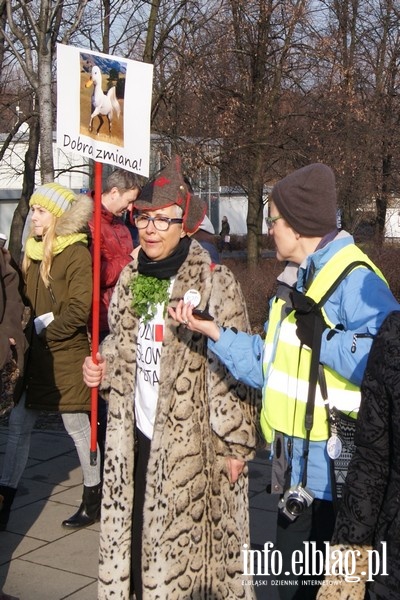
(102, 98)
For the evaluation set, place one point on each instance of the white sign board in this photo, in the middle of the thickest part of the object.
(103, 108)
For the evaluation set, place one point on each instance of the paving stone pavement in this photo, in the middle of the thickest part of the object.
(40, 560)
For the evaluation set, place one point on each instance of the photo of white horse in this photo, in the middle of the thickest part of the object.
(103, 104)
(102, 96)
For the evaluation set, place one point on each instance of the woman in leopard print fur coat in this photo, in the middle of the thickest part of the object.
(195, 514)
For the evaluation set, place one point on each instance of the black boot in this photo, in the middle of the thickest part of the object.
(7, 495)
(89, 510)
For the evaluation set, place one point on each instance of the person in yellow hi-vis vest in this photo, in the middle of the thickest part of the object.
(346, 299)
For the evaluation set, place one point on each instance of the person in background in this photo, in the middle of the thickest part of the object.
(13, 342)
(180, 430)
(57, 268)
(224, 234)
(129, 220)
(120, 190)
(205, 235)
(303, 223)
(369, 517)
(12, 346)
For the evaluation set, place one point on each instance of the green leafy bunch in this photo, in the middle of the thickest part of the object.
(147, 292)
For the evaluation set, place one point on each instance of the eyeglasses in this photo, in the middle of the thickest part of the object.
(160, 223)
(270, 221)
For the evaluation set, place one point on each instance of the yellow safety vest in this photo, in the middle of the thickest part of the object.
(286, 367)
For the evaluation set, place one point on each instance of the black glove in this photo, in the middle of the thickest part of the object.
(308, 317)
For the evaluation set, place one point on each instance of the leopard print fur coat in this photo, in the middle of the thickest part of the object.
(195, 521)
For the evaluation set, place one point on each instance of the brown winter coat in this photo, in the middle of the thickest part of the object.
(11, 312)
(54, 368)
(195, 521)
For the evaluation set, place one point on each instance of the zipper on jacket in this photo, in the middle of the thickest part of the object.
(52, 294)
(355, 338)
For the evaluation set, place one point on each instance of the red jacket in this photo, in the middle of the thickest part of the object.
(115, 248)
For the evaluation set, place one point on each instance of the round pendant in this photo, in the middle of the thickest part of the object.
(192, 297)
(334, 447)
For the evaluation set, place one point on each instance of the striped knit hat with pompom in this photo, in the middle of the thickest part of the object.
(54, 197)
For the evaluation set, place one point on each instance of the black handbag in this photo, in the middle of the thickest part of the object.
(340, 448)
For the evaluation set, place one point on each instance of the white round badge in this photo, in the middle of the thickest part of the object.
(192, 297)
(334, 447)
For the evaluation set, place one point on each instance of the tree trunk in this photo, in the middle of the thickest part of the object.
(3, 21)
(254, 226)
(151, 32)
(106, 26)
(382, 198)
(28, 185)
(45, 111)
(255, 210)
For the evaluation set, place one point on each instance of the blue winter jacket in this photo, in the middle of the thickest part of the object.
(360, 303)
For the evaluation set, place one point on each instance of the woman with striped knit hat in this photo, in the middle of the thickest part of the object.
(57, 270)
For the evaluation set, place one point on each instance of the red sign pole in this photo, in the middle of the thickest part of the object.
(98, 172)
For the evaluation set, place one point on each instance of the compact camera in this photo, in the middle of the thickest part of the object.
(294, 501)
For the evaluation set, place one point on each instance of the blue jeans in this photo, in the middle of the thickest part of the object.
(20, 425)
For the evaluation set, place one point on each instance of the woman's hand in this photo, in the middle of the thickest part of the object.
(93, 373)
(235, 468)
(183, 313)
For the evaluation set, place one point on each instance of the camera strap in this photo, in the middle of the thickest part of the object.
(312, 387)
(315, 371)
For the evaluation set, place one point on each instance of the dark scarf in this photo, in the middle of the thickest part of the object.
(166, 267)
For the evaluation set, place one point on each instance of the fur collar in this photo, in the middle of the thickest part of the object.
(76, 219)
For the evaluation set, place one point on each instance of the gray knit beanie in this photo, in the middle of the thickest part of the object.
(306, 199)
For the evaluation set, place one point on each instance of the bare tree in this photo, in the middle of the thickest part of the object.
(115, 27)
(222, 69)
(21, 212)
(253, 87)
(258, 62)
(354, 109)
(381, 60)
(29, 35)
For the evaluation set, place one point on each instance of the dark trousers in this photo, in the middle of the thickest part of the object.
(102, 413)
(142, 453)
(314, 525)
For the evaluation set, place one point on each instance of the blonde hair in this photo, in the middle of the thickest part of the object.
(48, 241)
